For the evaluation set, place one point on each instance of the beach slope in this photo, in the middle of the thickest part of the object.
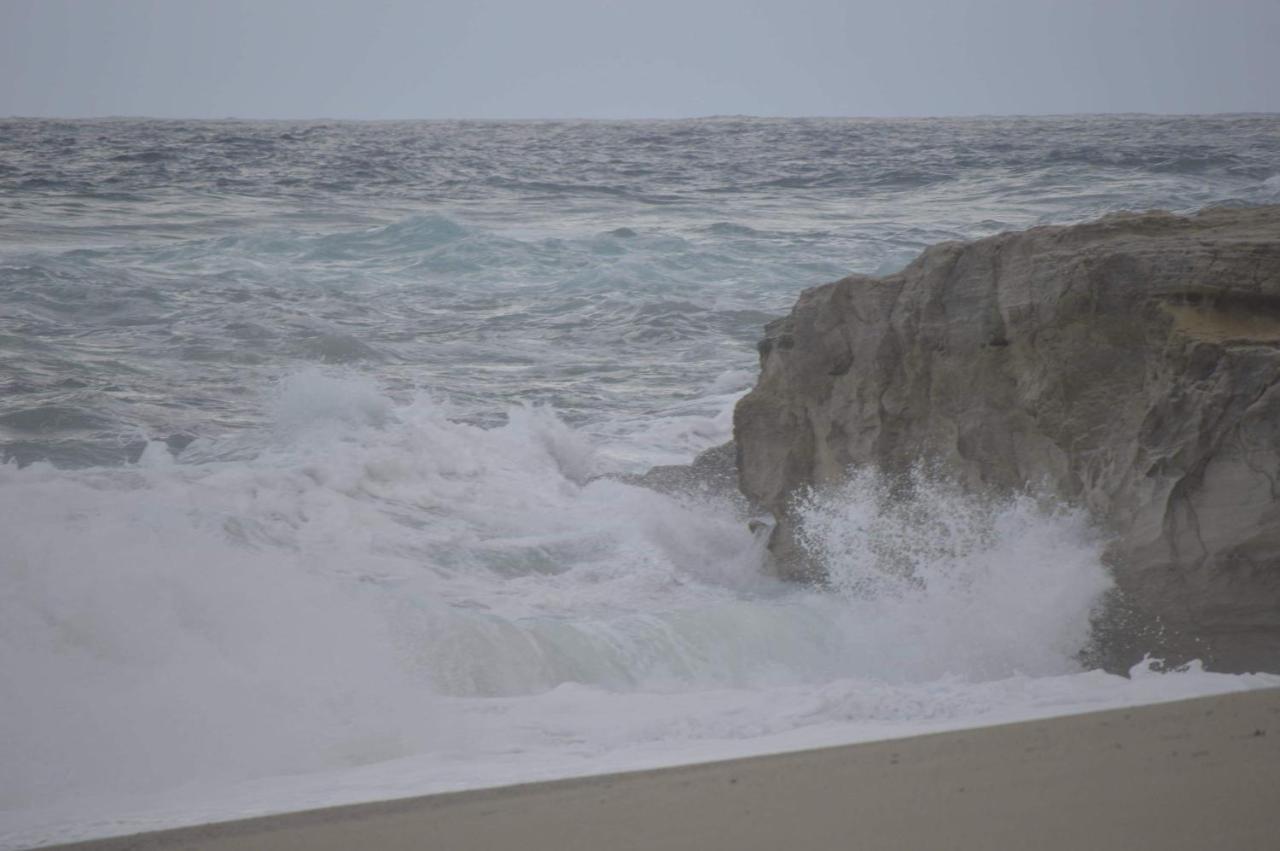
(1193, 774)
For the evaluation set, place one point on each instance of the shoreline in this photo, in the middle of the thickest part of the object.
(1191, 774)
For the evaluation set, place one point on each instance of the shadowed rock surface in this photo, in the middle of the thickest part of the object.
(1129, 365)
(713, 473)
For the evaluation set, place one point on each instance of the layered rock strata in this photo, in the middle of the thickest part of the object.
(1130, 366)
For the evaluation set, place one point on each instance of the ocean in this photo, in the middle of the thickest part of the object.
(317, 436)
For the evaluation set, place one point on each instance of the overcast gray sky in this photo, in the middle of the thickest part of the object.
(641, 58)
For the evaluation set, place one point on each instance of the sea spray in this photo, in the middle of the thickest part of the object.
(979, 587)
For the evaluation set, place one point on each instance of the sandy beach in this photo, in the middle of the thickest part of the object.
(1194, 774)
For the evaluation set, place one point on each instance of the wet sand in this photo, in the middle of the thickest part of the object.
(1196, 774)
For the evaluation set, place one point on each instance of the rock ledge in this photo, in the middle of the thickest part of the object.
(1129, 365)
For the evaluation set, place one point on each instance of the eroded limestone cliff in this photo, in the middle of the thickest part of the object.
(1129, 365)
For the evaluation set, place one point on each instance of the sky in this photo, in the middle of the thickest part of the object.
(393, 59)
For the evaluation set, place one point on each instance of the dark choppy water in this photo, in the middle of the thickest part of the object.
(154, 274)
(307, 429)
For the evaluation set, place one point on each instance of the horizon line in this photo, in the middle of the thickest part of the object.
(606, 119)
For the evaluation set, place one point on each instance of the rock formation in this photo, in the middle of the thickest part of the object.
(712, 473)
(1129, 365)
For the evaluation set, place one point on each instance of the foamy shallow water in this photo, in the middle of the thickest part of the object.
(311, 436)
(581, 732)
(383, 601)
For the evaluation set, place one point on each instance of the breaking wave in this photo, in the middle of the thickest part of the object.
(365, 582)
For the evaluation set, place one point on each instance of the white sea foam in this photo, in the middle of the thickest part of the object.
(377, 599)
(983, 588)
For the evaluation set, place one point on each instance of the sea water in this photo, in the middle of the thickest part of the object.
(315, 441)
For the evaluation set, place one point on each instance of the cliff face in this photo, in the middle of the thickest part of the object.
(1130, 365)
